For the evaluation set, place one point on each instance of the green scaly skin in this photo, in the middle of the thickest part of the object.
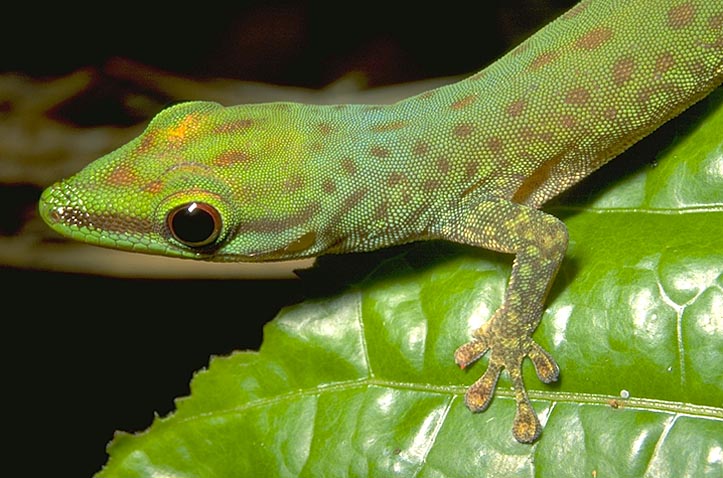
(470, 162)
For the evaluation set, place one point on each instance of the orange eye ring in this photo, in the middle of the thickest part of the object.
(194, 224)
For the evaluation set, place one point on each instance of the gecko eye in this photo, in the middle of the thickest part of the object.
(195, 224)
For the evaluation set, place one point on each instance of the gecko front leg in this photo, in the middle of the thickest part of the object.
(539, 242)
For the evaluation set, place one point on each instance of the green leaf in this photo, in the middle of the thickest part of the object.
(362, 382)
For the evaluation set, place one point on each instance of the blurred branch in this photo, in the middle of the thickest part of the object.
(41, 142)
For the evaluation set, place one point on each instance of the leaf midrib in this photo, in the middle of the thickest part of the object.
(457, 391)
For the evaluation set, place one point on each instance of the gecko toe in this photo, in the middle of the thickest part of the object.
(479, 395)
(470, 352)
(526, 427)
(545, 366)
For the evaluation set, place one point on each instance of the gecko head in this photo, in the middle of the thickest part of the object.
(202, 181)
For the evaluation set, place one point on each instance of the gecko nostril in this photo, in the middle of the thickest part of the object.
(55, 215)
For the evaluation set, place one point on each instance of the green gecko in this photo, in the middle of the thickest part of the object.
(470, 162)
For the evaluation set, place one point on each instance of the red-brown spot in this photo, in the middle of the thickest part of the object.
(542, 59)
(147, 141)
(464, 102)
(122, 176)
(281, 224)
(230, 157)
(389, 126)
(515, 108)
(716, 22)
(577, 96)
(463, 130)
(529, 133)
(568, 121)
(594, 38)
(700, 69)
(395, 178)
(470, 169)
(153, 187)
(644, 94)
(431, 185)
(294, 183)
(379, 152)
(328, 186)
(316, 146)
(680, 16)
(381, 212)
(443, 165)
(325, 128)
(576, 10)
(610, 113)
(623, 70)
(494, 143)
(420, 148)
(350, 201)
(349, 166)
(235, 126)
(664, 62)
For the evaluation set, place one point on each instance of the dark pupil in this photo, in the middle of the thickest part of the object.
(193, 224)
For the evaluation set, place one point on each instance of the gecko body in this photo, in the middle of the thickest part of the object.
(469, 162)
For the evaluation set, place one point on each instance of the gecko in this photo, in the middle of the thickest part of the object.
(471, 162)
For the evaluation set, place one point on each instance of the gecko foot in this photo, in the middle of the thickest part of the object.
(506, 351)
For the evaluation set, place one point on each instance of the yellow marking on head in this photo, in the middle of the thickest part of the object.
(184, 128)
